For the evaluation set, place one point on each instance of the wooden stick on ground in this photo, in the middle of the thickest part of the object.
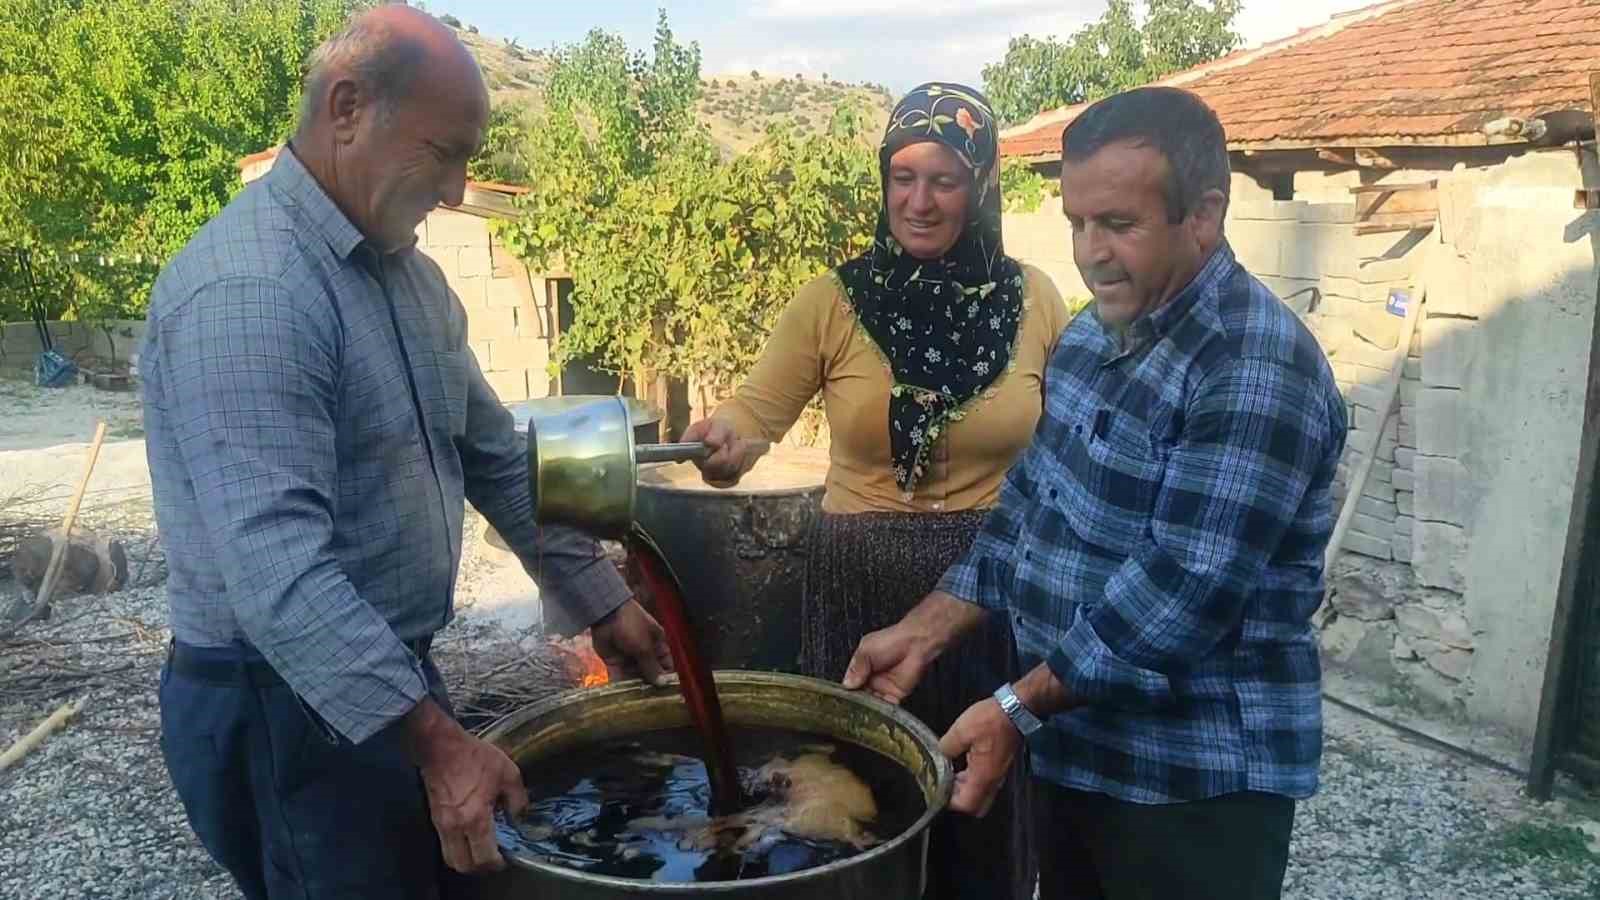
(34, 738)
(1369, 453)
(52, 571)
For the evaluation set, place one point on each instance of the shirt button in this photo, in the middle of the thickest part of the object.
(1077, 429)
(1052, 493)
(1028, 556)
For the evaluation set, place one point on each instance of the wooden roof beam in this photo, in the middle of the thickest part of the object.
(1358, 158)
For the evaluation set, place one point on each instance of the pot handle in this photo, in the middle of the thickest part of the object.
(656, 453)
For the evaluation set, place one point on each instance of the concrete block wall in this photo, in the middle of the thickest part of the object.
(1307, 252)
(1502, 402)
(1044, 239)
(1447, 583)
(116, 340)
(1407, 537)
(510, 326)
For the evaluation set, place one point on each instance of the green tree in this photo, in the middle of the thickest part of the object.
(1115, 53)
(680, 259)
(121, 123)
(1022, 189)
(503, 156)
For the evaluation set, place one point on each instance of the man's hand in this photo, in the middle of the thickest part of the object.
(989, 741)
(731, 456)
(889, 663)
(464, 778)
(630, 642)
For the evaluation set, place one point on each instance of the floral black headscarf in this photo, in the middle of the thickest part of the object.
(946, 327)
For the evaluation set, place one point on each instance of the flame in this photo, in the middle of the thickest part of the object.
(589, 668)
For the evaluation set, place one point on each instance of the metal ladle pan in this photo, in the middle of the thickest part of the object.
(583, 465)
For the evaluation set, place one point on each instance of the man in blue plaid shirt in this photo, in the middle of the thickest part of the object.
(1159, 547)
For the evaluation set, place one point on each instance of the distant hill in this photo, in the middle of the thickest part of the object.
(735, 109)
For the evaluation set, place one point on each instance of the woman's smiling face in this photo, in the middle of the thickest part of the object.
(927, 197)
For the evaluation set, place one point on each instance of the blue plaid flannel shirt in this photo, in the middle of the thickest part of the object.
(314, 421)
(1160, 547)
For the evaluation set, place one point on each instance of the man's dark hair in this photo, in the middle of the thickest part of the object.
(1176, 123)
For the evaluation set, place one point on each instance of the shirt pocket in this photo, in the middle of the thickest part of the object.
(1121, 471)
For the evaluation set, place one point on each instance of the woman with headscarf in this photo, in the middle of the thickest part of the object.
(928, 351)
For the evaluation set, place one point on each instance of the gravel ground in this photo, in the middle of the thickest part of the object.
(90, 813)
(44, 417)
(1398, 820)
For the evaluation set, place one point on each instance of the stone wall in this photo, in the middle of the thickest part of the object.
(115, 340)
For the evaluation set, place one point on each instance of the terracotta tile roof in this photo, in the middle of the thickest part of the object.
(1425, 72)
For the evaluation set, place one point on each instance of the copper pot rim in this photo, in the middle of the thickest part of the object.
(944, 780)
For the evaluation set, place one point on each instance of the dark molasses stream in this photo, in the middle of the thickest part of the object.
(694, 675)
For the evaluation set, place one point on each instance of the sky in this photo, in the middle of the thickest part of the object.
(890, 42)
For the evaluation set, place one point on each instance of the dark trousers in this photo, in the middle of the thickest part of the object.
(288, 808)
(1093, 847)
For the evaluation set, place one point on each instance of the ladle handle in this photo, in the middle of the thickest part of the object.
(656, 453)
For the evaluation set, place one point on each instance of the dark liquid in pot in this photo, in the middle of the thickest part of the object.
(639, 808)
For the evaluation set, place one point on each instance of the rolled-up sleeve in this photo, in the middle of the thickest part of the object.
(570, 567)
(1232, 487)
(251, 375)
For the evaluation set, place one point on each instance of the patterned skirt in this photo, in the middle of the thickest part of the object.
(864, 572)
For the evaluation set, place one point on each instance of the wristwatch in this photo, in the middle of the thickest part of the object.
(1020, 715)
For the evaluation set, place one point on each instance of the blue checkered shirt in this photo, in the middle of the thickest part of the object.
(1160, 547)
(314, 421)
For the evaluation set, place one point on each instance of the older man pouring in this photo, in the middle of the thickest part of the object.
(1158, 548)
(315, 421)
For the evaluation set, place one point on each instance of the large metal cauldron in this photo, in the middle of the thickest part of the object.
(571, 721)
(739, 552)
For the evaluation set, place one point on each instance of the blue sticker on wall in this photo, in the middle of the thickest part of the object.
(1398, 301)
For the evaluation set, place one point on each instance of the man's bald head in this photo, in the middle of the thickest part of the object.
(384, 50)
(394, 108)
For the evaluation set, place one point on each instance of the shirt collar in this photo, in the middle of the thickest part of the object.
(1202, 286)
(1152, 325)
(292, 182)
